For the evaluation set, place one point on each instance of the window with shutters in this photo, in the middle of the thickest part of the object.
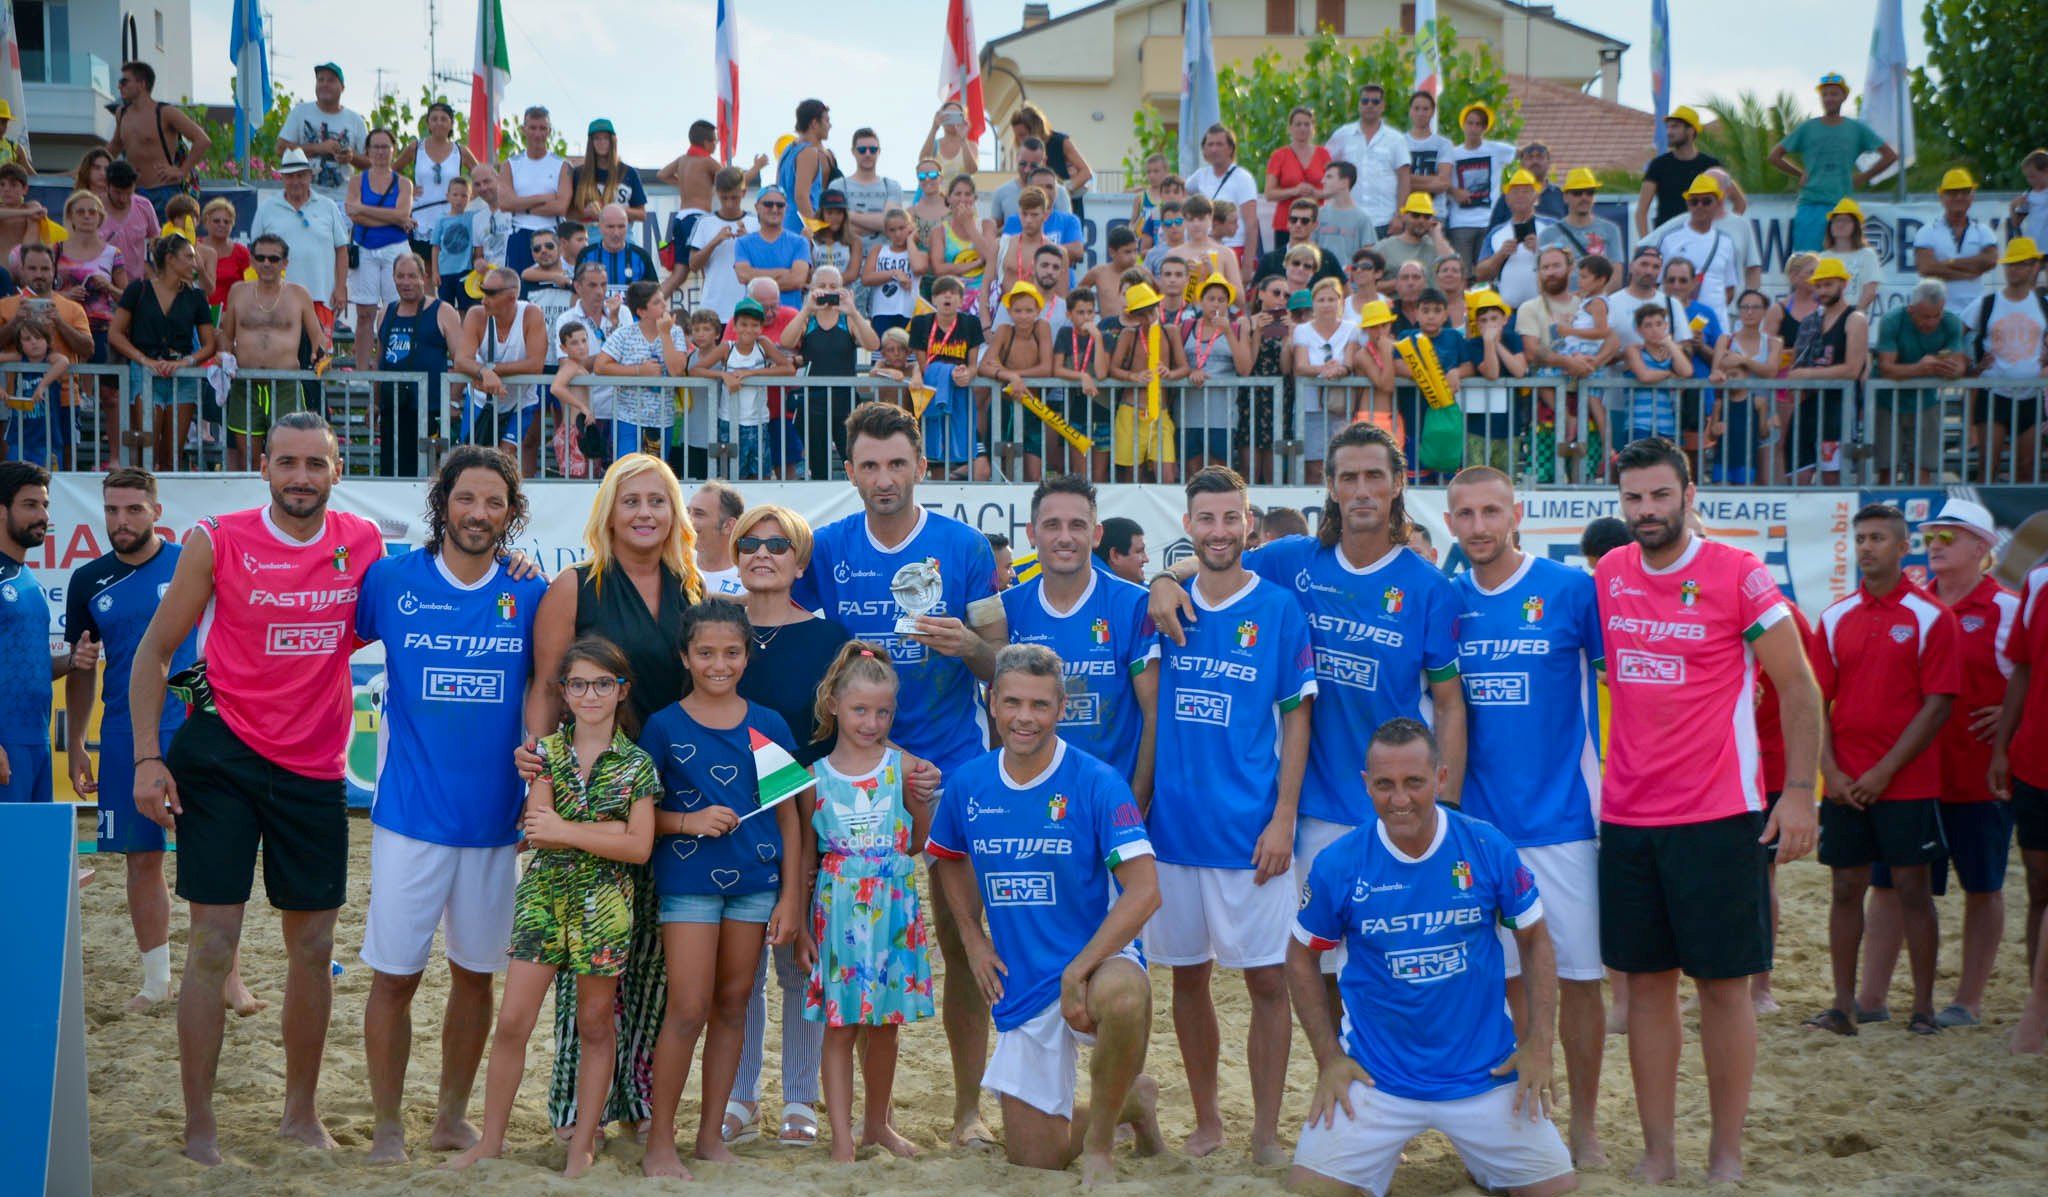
(1280, 17)
(1330, 15)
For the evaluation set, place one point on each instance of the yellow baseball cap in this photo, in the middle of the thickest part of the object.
(1685, 113)
(1581, 179)
(1023, 287)
(1140, 297)
(2019, 249)
(1705, 184)
(1521, 178)
(1830, 268)
(1832, 79)
(1475, 106)
(1216, 279)
(1375, 312)
(1847, 207)
(1419, 204)
(1485, 297)
(1957, 179)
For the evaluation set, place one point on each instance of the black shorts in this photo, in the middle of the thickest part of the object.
(2016, 413)
(1979, 836)
(2030, 815)
(1695, 896)
(235, 800)
(1899, 834)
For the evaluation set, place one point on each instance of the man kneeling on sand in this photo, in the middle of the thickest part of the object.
(1042, 825)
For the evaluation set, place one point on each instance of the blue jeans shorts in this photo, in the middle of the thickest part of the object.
(717, 908)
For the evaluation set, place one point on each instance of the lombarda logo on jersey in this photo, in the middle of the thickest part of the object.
(1391, 601)
(507, 606)
(1462, 874)
(1616, 588)
(1247, 634)
(1056, 807)
(1100, 631)
(1688, 592)
(1901, 634)
(1532, 609)
(304, 639)
(253, 566)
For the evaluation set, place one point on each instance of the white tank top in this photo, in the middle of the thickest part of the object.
(503, 345)
(534, 176)
(747, 406)
(430, 182)
(893, 298)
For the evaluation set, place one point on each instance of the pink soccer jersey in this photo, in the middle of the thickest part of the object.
(278, 634)
(1682, 742)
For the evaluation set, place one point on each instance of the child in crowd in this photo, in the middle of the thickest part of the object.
(890, 273)
(1145, 437)
(728, 867)
(696, 419)
(873, 970)
(948, 345)
(1432, 311)
(589, 817)
(1018, 350)
(458, 240)
(1176, 312)
(1651, 411)
(577, 354)
(1493, 354)
(742, 406)
(1143, 209)
(32, 430)
(1372, 358)
(1077, 355)
(1173, 233)
(1216, 349)
(1105, 279)
(893, 362)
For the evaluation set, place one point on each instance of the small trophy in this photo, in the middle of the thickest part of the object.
(916, 590)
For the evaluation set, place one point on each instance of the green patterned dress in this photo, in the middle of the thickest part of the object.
(574, 910)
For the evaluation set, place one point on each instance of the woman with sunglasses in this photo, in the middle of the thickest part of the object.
(430, 162)
(947, 145)
(771, 548)
(928, 210)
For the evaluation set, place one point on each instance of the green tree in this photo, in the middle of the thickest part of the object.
(405, 117)
(1981, 85)
(1255, 98)
(1742, 131)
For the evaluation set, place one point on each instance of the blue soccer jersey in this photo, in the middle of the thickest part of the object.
(1221, 695)
(114, 601)
(1103, 644)
(24, 656)
(1044, 852)
(715, 765)
(938, 714)
(456, 663)
(1423, 985)
(1382, 634)
(1527, 653)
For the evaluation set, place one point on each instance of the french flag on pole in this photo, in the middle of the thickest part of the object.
(727, 68)
(487, 81)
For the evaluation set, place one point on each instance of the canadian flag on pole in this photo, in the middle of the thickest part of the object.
(487, 81)
(960, 68)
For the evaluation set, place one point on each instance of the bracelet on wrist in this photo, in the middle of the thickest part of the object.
(143, 760)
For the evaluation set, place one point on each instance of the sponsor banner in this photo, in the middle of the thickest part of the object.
(1801, 535)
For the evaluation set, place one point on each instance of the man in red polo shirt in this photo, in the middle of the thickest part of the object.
(1976, 823)
(2019, 754)
(1890, 650)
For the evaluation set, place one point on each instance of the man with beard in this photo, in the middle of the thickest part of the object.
(458, 651)
(1683, 879)
(263, 326)
(1545, 320)
(1528, 648)
(26, 664)
(259, 759)
(1833, 343)
(108, 605)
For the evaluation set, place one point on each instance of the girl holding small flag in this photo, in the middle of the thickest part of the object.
(873, 968)
(728, 867)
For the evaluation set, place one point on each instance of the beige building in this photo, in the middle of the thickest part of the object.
(1092, 68)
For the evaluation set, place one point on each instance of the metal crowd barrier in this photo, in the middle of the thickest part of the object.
(1929, 432)
(1738, 432)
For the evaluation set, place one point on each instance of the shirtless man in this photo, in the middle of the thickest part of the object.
(262, 325)
(1017, 351)
(146, 133)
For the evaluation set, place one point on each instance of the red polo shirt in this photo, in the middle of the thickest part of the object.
(1984, 619)
(2029, 646)
(1878, 659)
(1770, 732)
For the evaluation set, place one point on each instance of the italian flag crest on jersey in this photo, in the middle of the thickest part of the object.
(1391, 600)
(1689, 592)
(1462, 874)
(507, 606)
(1056, 807)
(1532, 609)
(1247, 634)
(1100, 631)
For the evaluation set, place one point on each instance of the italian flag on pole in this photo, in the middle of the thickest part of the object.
(781, 778)
(487, 81)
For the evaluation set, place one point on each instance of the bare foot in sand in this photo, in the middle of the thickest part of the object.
(714, 1152)
(476, 1152)
(458, 1135)
(1654, 1171)
(1272, 1155)
(387, 1145)
(2027, 1038)
(201, 1148)
(139, 1003)
(236, 997)
(308, 1131)
(971, 1133)
(1204, 1141)
(886, 1136)
(661, 1160)
(1764, 1003)
(579, 1163)
(1587, 1151)
(1724, 1172)
(1145, 1127)
(1097, 1169)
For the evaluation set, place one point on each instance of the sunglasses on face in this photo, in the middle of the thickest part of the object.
(1301, 220)
(867, 149)
(603, 687)
(926, 176)
(777, 546)
(1700, 201)
(1172, 224)
(266, 259)
(492, 292)
(775, 204)
(540, 247)
(1374, 100)
(1941, 536)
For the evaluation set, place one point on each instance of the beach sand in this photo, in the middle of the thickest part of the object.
(1885, 1113)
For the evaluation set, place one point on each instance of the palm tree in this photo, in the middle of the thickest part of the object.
(1742, 133)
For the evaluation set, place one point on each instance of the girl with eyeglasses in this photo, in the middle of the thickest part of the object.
(432, 161)
(590, 819)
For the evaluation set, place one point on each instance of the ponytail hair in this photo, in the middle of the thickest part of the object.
(165, 247)
(1330, 528)
(858, 661)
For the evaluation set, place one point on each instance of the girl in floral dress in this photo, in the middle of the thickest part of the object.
(872, 968)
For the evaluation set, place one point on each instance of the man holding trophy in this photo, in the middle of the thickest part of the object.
(922, 585)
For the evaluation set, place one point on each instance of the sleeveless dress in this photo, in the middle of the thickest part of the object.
(959, 250)
(874, 967)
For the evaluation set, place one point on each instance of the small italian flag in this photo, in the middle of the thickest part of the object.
(1100, 630)
(781, 778)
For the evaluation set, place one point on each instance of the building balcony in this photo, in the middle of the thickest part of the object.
(68, 96)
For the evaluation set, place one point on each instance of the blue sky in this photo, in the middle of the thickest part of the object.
(876, 62)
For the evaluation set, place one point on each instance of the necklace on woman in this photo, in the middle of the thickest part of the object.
(762, 642)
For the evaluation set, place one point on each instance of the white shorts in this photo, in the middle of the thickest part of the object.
(1568, 880)
(369, 281)
(1502, 1149)
(1035, 1063)
(1311, 836)
(416, 887)
(1220, 915)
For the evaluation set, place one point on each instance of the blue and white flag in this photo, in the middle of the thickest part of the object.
(1887, 106)
(1199, 106)
(1660, 67)
(252, 74)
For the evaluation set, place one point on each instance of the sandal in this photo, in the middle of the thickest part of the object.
(1923, 1024)
(1880, 1014)
(748, 1126)
(1831, 1020)
(1956, 1016)
(799, 1126)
